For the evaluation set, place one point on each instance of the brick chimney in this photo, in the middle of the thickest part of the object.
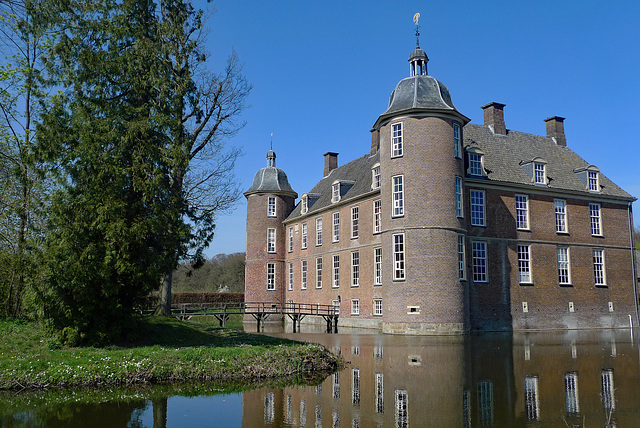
(555, 129)
(375, 141)
(330, 162)
(494, 117)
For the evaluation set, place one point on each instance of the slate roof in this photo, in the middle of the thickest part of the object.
(357, 171)
(271, 180)
(504, 153)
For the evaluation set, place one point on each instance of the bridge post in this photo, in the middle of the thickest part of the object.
(335, 324)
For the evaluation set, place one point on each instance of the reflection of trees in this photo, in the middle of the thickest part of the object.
(159, 412)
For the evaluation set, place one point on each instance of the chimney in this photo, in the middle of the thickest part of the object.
(555, 129)
(494, 117)
(375, 141)
(330, 162)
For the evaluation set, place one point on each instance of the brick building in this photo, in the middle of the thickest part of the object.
(446, 226)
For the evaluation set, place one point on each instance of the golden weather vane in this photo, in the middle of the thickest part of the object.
(416, 17)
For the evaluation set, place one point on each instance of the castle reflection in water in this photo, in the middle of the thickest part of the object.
(502, 380)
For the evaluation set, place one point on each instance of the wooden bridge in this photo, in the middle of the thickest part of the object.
(260, 312)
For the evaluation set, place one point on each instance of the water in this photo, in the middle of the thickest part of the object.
(589, 379)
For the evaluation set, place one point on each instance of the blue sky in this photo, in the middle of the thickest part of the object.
(322, 72)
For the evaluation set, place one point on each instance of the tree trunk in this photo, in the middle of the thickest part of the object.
(164, 300)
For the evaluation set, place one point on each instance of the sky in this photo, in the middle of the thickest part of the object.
(322, 73)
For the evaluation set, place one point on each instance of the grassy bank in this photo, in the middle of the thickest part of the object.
(168, 351)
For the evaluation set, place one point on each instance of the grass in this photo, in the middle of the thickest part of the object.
(168, 351)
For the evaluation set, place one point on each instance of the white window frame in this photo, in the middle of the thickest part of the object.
(375, 177)
(304, 269)
(402, 408)
(539, 173)
(522, 211)
(290, 276)
(271, 276)
(335, 192)
(377, 307)
(355, 230)
(397, 143)
(571, 393)
(599, 268)
(336, 227)
(595, 217)
(318, 231)
(355, 269)
(377, 216)
(459, 209)
(397, 187)
(303, 241)
(291, 239)
(271, 206)
(560, 209)
(399, 273)
(593, 181)
(271, 240)
(476, 164)
(318, 272)
(336, 271)
(478, 207)
(608, 390)
(377, 266)
(355, 306)
(524, 264)
(462, 271)
(479, 255)
(564, 265)
(531, 398)
(457, 147)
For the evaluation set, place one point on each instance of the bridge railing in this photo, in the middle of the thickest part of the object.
(186, 309)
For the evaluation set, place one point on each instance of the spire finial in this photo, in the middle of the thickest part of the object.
(271, 141)
(271, 155)
(416, 18)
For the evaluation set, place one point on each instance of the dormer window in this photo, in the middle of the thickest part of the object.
(335, 192)
(305, 204)
(457, 148)
(590, 177)
(375, 176)
(536, 169)
(475, 158)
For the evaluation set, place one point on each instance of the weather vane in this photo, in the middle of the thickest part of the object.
(272, 141)
(416, 18)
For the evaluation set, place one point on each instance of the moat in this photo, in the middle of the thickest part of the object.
(573, 378)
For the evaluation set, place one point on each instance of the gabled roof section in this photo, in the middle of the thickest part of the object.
(357, 171)
(503, 156)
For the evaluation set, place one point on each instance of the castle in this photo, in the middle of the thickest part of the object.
(446, 227)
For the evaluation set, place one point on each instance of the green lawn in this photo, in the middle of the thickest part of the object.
(168, 351)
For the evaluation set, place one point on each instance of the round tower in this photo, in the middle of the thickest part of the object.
(422, 182)
(270, 199)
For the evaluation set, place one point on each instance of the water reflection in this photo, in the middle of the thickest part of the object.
(489, 380)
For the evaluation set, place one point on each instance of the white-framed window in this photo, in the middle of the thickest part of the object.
(475, 164)
(402, 408)
(335, 192)
(539, 173)
(355, 306)
(336, 227)
(355, 380)
(354, 222)
(304, 236)
(318, 231)
(522, 212)
(571, 393)
(479, 256)
(379, 386)
(593, 182)
(485, 402)
(594, 215)
(461, 257)
(375, 177)
(398, 256)
(377, 216)
(355, 269)
(290, 276)
(459, 197)
(396, 140)
(397, 185)
(564, 266)
(377, 307)
(377, 266)
(336, 308)
(271, 206)
(531, 398)
(477, 208)
(560, 206)
(290, 239)
(271, 240)
(269, 411)
(271, 276)
(608, 397)
(303, 275)
(319, 272)
(457, 147)
(305, 204)
(336, 271)
(524, 264)
(599, 271)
